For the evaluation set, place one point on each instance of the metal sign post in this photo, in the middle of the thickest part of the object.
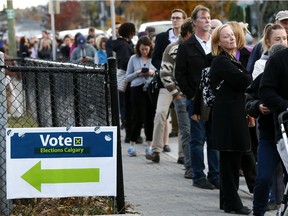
(54, 7)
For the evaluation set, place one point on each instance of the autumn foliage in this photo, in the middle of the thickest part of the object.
(75, 13)
(70, 16)
(160, 10)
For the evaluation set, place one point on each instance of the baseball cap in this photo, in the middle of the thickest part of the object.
(81, 41)
(282, 15)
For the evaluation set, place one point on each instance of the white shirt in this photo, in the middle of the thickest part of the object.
(206, 45)
(172, 37)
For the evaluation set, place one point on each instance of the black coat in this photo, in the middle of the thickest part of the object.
(265, 122)
(229, 123)
(124, 50)
(161, 42)
(273, 90)
(244, 56)
(45, 53)
(24, 51)
(190, 61)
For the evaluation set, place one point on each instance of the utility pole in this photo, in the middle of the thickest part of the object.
(54, 8)
(11, 28)
(113, 18)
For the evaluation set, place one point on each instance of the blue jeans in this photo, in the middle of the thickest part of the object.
(199, 133)
(268, 159)
(184, 127)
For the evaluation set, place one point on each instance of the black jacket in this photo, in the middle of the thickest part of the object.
(161, 42)
(198, 102)
(273, 89)
(265, 122)
(190, 61)
(229, 123)
(124, 50)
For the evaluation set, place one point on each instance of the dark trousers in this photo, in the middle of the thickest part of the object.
(122, 107)
(230, 163)
(128, 112)
(268, 160)
(201, 132)
(254, 141)
(142, 112)
(174, 121)
(248, 165)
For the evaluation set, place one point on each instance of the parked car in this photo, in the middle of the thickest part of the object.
(83, 31)
(160, 26)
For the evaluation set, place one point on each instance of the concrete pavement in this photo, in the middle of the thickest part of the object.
(161, 189)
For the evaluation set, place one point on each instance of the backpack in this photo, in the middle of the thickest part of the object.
(208, 93)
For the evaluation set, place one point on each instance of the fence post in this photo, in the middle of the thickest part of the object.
(120, 199)
(5, 204)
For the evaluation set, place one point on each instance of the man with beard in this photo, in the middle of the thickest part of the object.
(191, 59)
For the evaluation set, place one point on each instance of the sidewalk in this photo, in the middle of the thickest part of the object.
(161, 189)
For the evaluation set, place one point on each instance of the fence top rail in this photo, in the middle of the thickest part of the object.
(53, 69)
(13, 59)
(45, 66)
(60, 64)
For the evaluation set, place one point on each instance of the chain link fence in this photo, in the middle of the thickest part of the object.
(37, 93)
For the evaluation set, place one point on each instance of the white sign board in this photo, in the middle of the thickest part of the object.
(61, 162)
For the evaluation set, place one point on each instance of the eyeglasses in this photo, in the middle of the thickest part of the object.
(176, 18)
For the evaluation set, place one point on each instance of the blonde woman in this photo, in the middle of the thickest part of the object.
(272, 34)
(45, 51)
(248, 162)
(229, 124)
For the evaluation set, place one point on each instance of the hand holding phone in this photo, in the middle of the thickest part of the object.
(145, 70)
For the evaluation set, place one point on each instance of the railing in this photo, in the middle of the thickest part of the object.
(37, 93)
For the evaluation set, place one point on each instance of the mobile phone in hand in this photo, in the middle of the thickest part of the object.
(144, 70)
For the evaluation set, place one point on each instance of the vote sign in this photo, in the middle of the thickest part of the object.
(61, 162)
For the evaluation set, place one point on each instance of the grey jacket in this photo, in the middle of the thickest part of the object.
(77, 54)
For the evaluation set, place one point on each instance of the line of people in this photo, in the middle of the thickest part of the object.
(235, 122)
(77, 49)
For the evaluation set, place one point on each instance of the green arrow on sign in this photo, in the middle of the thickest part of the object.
(36, 176)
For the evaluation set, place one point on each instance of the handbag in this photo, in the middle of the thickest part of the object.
(154, 87)
(204, 110)
(121, 80)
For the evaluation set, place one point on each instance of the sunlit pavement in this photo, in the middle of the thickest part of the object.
(161, 189)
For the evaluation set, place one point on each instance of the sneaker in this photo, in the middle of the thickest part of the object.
(148, 150)
(122, 127)
(279, 212)
(166, 148)
(243, 211)
(132, 151)
(271, 206)
(216, 183)
(180, 160)
(173, 134)
(204, 184)
(153, 157)
(188, 174)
